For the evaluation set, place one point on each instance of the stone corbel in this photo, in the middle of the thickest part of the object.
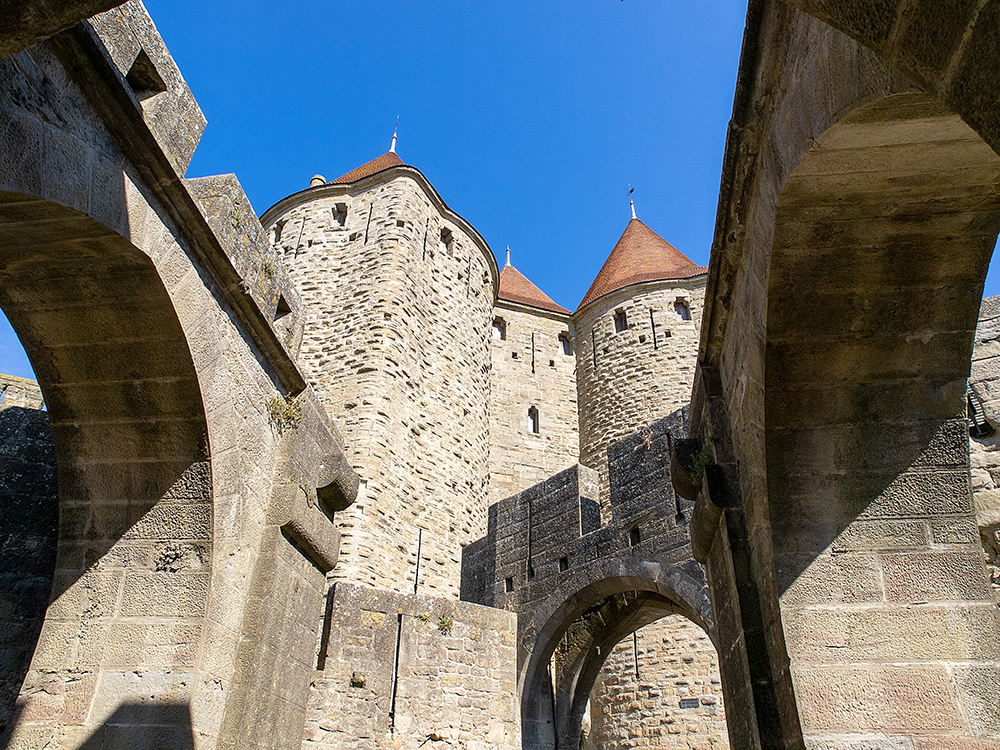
(305, 525)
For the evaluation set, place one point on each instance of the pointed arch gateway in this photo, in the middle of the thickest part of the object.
(576, 629)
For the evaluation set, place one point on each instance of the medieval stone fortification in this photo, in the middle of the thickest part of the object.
(334, 478)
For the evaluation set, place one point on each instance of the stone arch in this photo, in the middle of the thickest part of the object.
(131, 580)
(883, 232)
(634, 592)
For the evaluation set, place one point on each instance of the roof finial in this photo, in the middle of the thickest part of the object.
(630, 201)
(508, 255)
(392, 148)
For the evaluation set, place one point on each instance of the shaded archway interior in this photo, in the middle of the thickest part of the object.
(113, 364)
(588, 643)
(882, 240)
(107, 348)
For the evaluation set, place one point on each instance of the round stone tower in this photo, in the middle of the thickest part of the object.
(637, 341)
(398, 295)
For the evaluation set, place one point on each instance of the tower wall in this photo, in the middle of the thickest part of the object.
(396, 344)
(530, 370)
(628, 379)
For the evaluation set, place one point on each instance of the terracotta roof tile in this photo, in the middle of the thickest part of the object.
(515, 287)
(640, 255)
(386, 161)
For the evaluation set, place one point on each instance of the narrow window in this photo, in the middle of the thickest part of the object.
(563, 564)
(279, 227)
(633, 537)
(509, 585)
(340, 214)
(445, 243)
(533, 419)
(621, 321)
(565, 344)
(682, 310)
(499, 329)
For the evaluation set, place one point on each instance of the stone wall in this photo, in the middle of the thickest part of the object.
(15, 391)
(675, 703)
(628, 379)
(29, 514)
(395, 343)
(453, 686)
(984, 444)
(530, 369)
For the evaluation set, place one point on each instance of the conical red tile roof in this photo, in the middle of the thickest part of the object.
(640, 255)
(379, 164)
(515, 287)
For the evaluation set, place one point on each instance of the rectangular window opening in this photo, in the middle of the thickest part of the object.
(509, 585)
(634, 537)
(563, 564)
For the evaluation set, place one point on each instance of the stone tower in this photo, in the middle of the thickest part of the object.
(637, 327)
(399, 293)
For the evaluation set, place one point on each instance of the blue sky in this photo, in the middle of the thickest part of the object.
(529, 118)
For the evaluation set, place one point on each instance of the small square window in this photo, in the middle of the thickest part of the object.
(682, 309)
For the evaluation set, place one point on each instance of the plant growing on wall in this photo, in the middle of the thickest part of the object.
(284, 413)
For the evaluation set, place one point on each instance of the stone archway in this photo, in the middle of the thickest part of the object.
(883, 232)
(134, 557)
(860, 213)
(576, 629)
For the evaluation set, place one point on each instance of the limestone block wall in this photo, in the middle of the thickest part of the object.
(453, 686)
(15, 391)
(984, 445)
(628, 379)
(399, 298)
(675, 703)
(531, 370)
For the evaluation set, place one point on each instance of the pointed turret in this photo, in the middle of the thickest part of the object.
(515, 287)
(640, 255)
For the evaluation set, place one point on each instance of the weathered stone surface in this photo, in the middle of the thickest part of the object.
(454, 681)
